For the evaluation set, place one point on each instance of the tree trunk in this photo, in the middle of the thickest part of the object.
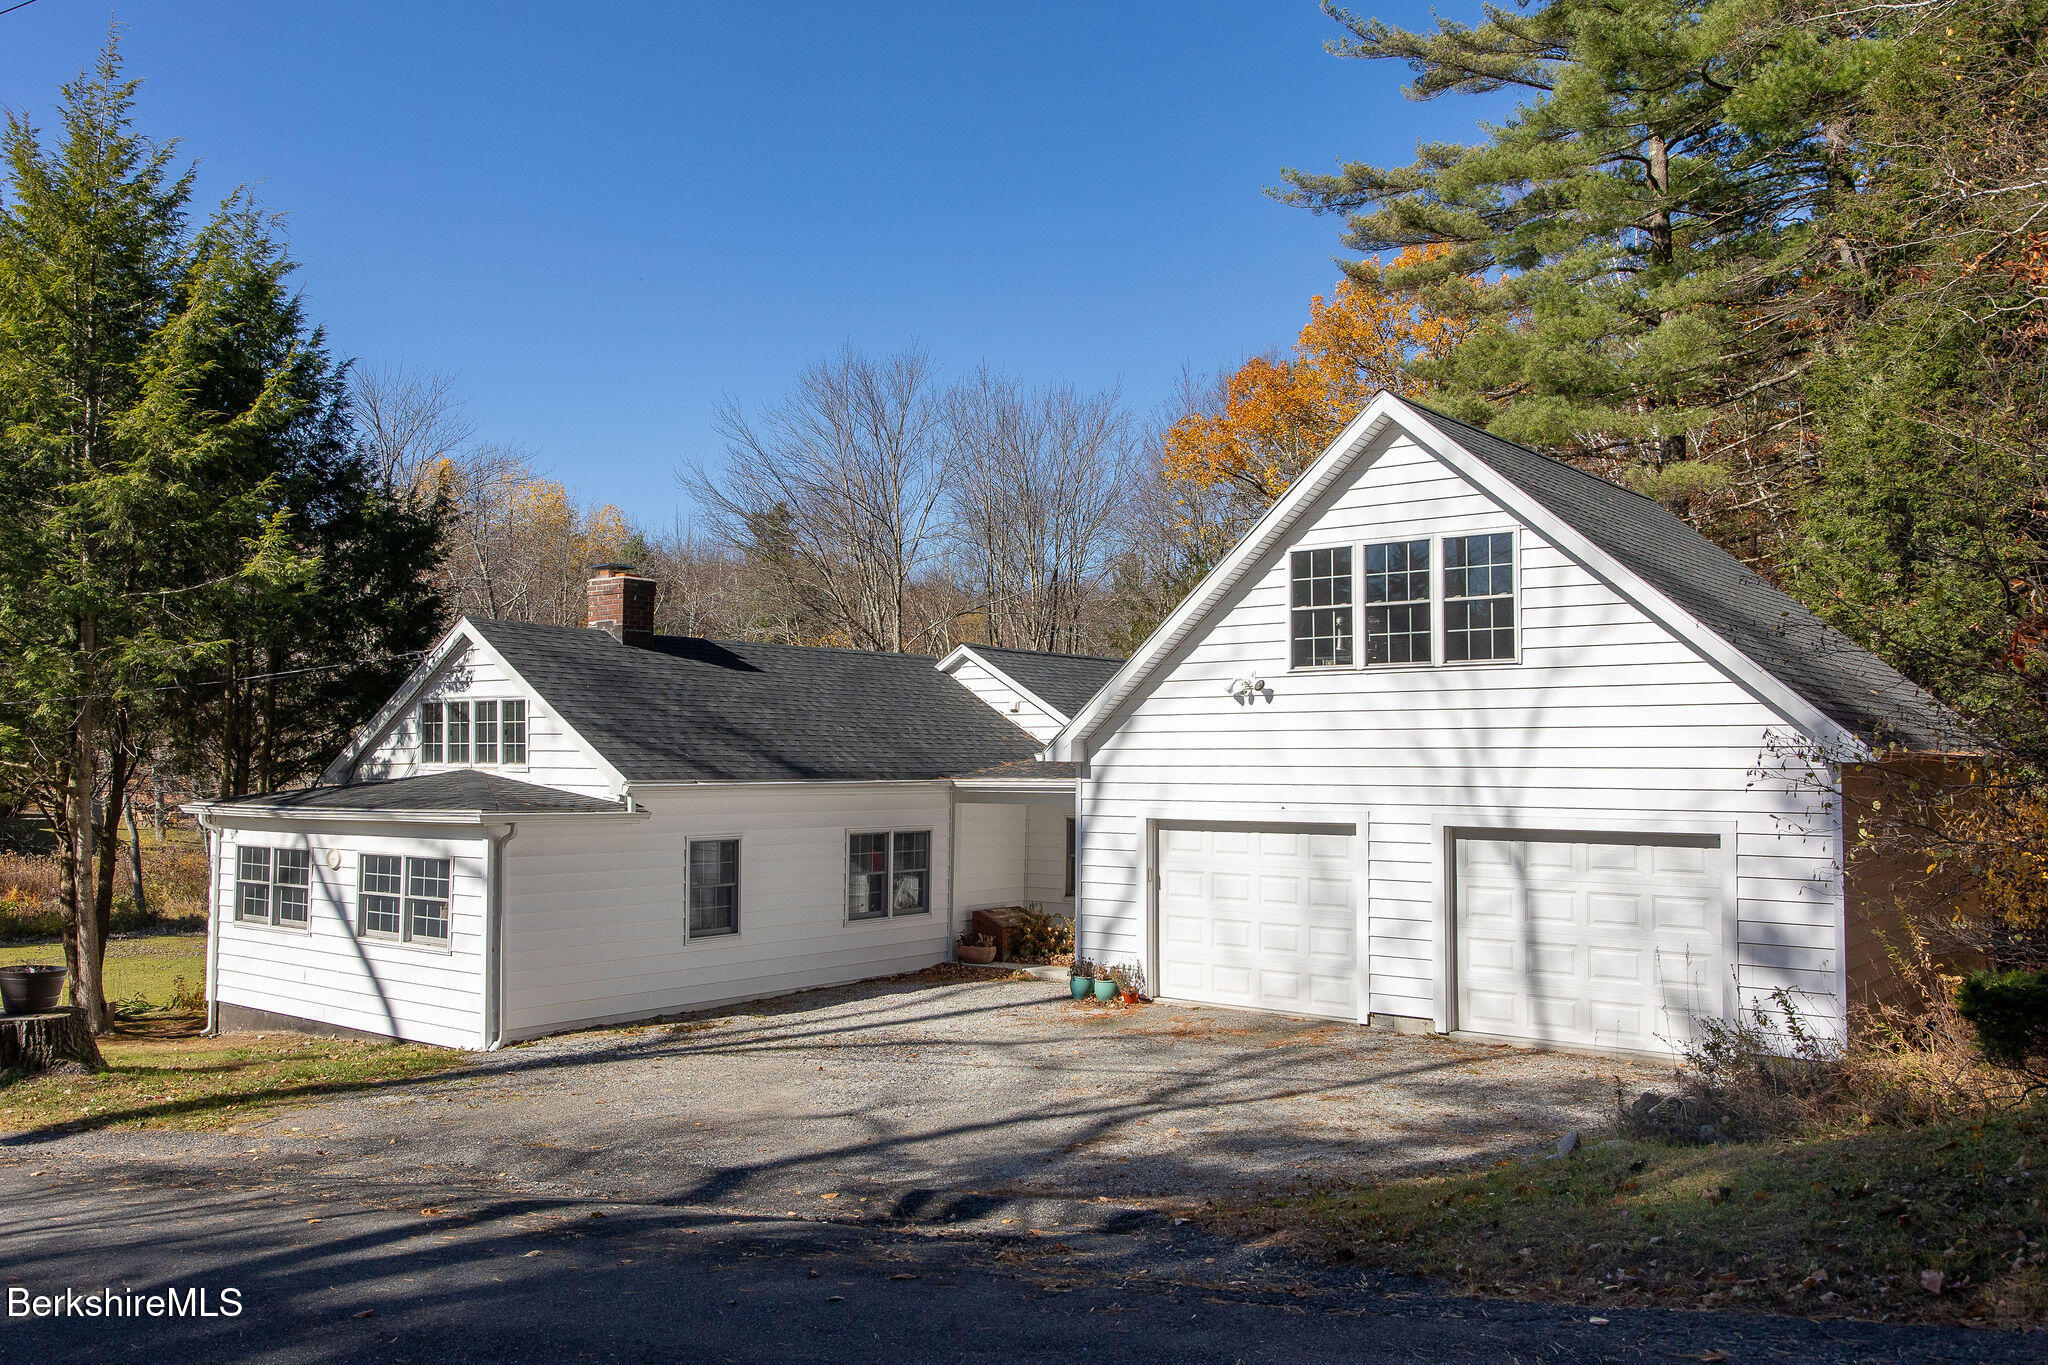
(86, 979)
(135, 862)
(37, 1042)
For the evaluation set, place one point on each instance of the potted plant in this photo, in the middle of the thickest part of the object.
(31, 988)
(1081, 978)
(1130, 983)
(979, 949)
(1105, 983)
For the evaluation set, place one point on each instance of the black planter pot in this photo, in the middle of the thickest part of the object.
(29, 988)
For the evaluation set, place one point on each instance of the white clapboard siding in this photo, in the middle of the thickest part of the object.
(1609, 720)
(554, 755)
(1001, 696)
(596, 918)
(1045, 854)
(991, 862)
(325, 972)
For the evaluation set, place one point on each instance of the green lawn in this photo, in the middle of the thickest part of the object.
(1940, 1223)
(162, 1074)
(144, 974)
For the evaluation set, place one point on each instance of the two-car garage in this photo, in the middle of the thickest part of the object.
(1575, 938)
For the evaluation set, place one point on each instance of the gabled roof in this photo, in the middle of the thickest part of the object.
(1835, 691)
(1853, 687)
(683, 709)
(1029, 770)
(1064, 682)
(456, 791)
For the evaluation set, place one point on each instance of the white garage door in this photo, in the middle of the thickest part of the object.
(1259, 917)
(1602, 942)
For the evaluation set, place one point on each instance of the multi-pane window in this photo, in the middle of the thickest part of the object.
(714, 887)
(512, 731)
(272, 885)
(426, 900)
(867, 876)
(484, 735)
(432, 735)
(1072, 846)
(1397, 603)
(1320, 613)
(911, 882)
(888, 874)
(1479, 597)
(403, 898)
(485, 732)
(380, 900)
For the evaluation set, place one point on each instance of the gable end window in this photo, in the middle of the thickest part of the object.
(1320, 609)
(1397, 625)
(1479, 597)
(888, 873)
(271, 885)
(714, 887)
(487, 733)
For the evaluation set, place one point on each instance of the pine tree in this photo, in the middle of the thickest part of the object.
(1638, 244)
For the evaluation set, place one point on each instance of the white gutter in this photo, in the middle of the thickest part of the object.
(212, 924)
(398, 817)
(494, 937)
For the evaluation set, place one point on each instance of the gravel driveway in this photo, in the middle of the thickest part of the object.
(905, 1094)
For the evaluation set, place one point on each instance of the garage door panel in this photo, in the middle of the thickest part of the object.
(1600, 941)
(1278, 913)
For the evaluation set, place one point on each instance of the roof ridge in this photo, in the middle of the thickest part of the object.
(1045, 653)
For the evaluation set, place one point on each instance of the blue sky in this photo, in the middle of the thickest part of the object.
(604, 217)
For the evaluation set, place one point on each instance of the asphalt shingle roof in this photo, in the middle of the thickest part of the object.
(1029, 768)
(454, 790)
(682, 709)
(1067, 681)
(1847, 683)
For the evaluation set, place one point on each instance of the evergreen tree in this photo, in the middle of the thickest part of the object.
(1638, 244)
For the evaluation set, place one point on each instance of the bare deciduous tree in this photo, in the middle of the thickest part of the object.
(849, 467)
(1037, 483)
(409, 421)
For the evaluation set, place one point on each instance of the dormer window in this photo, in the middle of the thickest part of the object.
(486, 733)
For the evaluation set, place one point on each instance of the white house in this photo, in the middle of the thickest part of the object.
(1457, 738)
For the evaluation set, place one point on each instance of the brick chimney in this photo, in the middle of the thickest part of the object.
(621, 603)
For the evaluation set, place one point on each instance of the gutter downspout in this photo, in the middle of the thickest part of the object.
(494, 938)
(212, 923)
(952, 870)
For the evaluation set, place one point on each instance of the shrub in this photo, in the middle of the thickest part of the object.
(2009, 1010)
(1039, 937)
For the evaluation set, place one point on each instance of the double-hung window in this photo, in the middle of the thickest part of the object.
(1397, 627)
(888, 873)
(272, 884)
(482, 732)
(1320, 614)
(1479, 597)
(714, 887)
(403, 899)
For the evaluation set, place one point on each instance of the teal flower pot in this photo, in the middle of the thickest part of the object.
(1080, 985)
(1105, 990)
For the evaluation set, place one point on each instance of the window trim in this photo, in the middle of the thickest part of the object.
(1073, 853)
(270, 885)
(890, 912)
(739, 878)
(1352, 606)
(1514, 598)
(405, 937)
(1437, 603)
(439, 754)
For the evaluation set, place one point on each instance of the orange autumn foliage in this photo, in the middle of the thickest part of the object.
(1276, 417)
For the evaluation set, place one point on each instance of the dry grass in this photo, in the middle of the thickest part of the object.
(1942, 1223)
(173, 883)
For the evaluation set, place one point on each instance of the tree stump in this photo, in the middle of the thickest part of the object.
(37, 1042)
